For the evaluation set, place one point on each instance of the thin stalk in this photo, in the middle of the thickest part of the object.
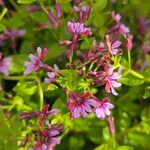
(40, 92)
(17, 77)
(14, 4)
(43, 7)
(129, 59)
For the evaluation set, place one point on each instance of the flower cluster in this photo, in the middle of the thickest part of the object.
(82, 105)
(47, 136)
(96, 65)
(119, 27)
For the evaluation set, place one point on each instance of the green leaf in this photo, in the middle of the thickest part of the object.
(69, 79)
(131, 80)
(76, 142)
(25, 87)
(26, 1)
(2, 27)
(49, 87)
(124, 147)
(4, 11)
(100, 5)
(87, 43)
(17, 63)
(102, 147)
(146, 92)
(136, 74)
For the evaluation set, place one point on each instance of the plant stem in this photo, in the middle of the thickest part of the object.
(17, 77)
(40, 92)
(14, 4)
(43, 7)
(129, 59)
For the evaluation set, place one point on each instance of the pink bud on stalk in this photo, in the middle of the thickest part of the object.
(59, 12)
(53, 19)
(111, 124)
(129, 42)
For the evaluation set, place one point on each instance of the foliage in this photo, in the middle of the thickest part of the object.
(28, 24)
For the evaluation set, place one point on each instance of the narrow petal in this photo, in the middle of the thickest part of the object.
(107, 88)
(116, 44)
(113, 91)
(76, 112)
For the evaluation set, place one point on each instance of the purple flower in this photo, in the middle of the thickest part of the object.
(83, 12)
(51, 77)
(78, 28)
(119, 27)
(43, 114)
(110, 80)
(115, 17)
(36, 61)
(97, 76)
(100, 46)
(49, 137)
(103, 108)
(80, 105)
(5, 64)
(114, 47)
(123, 30)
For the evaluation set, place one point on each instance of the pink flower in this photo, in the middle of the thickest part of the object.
(59, 12)
(114, 47)
(83, 12)
(100, 46)
(78, 29)
(123, 30)
(129, 42)
(119, 27)
(51, 77)
(115, 17)
(36, 61)
(65, 42)
(103, 108)
(80, 105)
(110, 80)
(111, 124)
(49, 137)
(43, 114)
(53, 19)
(5, 65)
